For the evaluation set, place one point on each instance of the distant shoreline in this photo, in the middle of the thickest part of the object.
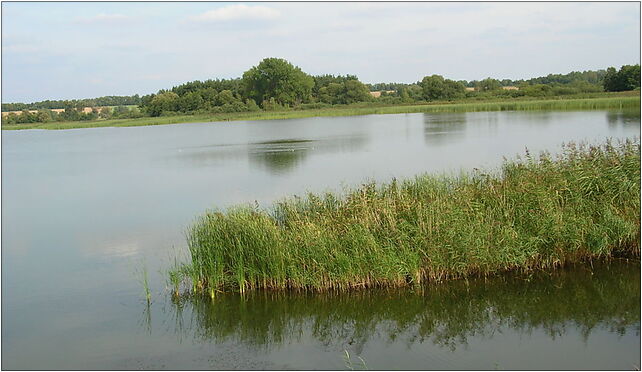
(592, 102)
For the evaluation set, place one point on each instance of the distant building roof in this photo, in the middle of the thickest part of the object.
(377, 94)
(85, 110)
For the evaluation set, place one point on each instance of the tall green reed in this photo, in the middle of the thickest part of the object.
(535, 212)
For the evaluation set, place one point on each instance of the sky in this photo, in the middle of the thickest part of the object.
(58, 50)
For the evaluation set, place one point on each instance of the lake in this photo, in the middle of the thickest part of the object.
(86, 211)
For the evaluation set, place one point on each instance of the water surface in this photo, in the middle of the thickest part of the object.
(85, 210)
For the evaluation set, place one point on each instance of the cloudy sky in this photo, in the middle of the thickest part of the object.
(81, 50)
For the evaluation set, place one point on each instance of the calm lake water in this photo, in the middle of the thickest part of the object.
(85, 210)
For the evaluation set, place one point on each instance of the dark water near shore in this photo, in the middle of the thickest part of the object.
(85, 210)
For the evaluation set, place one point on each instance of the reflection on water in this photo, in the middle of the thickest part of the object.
(449, 128)
(443, 129)
(280, 156)
(276, 156)
(537, 119)
(579, 299)
(624, 118)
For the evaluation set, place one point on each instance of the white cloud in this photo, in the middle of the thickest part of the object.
(238, 12)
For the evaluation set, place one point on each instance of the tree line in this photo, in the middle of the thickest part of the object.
(74, 103)
(435, 87)
(591, 77)
(276, 84)
(72, 114)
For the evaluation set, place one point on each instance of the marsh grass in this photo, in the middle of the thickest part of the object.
(535, 212)
(602, 101)
(347, 360)
(144, 281)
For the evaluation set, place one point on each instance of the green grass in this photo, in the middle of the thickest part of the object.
(602, 101)
(534, 213)
(142, 274)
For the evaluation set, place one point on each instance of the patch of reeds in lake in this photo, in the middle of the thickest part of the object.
(536, 212)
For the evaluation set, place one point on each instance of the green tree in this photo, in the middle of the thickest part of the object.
(272, 105)
(251, 105)
(191, 101)
(167, 101)
(279, 79)
(70, 114)
(355, 91)
(10, 118)
(333, 93)
(537, 90)
(344, 92)
(105, 113)
(209, 95)
(628, 78)
(435, 87)
(488, 85)
(610, 81)
(120, 111)
(415, 92)
(224, 97)
(44, 116)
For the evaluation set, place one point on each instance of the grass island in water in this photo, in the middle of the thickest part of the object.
(535, 213)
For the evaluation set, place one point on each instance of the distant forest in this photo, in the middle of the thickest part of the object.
(74, 103)
(276, 84)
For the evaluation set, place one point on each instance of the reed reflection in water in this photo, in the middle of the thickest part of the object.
(575, 300)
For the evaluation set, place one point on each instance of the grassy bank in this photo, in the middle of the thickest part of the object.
(536, 212)
(603, 101)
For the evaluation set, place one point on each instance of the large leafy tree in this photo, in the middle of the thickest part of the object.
(611, 82)
(165, 101)
(356, 91)
(190, 102)
(488, 84)
(343, 91)
(435, 87)
(630, 75)
(628, 78)
(278, 79)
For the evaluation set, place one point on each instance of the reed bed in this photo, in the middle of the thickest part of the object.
(604, 102)
(535, 212)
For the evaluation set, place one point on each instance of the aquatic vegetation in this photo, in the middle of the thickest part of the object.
(348, 361)
(145, 283)
(601, 101)
(535, 212)
(575, 300)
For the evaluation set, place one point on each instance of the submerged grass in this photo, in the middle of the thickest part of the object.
(602, 101)
(536, 212)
